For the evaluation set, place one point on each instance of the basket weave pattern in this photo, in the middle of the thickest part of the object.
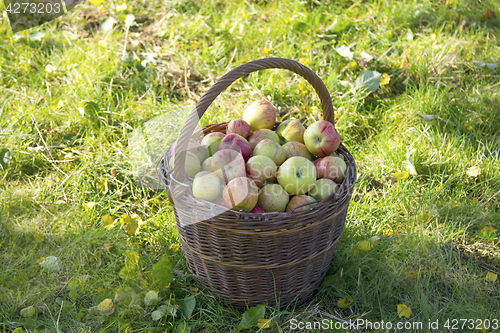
(245, 258)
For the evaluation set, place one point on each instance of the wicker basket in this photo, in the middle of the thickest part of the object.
(245, 258)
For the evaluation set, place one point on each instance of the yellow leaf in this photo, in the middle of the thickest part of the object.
(344, 302)
(195, 289)
(388, 232)
(38, 237)
(433, 36)
(411, 274)
(108, 221)
(490, 277)
(143, 283)
(96, 2)
(263, 51)
(263, 323)
(385, 79)
(304, 61)
(400, 175)
(40, 259)
(132, 256)
(404, 311)
(488, 229)
(352, 65)
(89, 205)
(30, 311)
(102, 186)
(130, 223)
(473, 171)
(174, 247)
(106, 307)
(396, 115)
(121, 7)
(364, 245)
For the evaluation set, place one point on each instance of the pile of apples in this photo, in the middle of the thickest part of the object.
(254, 169)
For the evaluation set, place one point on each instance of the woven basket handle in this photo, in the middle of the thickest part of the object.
(226, 80)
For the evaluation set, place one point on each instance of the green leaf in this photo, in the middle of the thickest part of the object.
(300, 26)
(345, 51)
(333, 281)
(491, 65)
(183, 328)
(162, 272)
(428, 117)
(186, 306)
(408, 163)
(125, 295)
(339, 24)
(409, 35)
(369, 81)
(36, 36)
(5, 158)
(131, 265)
(250, 317)
(72, 289)
(107, 24)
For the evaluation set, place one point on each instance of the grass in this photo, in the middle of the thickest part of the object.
(69, 102)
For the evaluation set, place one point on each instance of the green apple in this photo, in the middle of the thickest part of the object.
(261, 168)
(300, 200)
(207, 164)
(260, 135)
(211, 141)
(294, 148)
(194, 147)
(291, 130)
(272, 150)
(206, 186)
(321, 138)
(323, 188)
(273, 198)
(259, 115)
(297, 175)
(191, 165)
(241, 194)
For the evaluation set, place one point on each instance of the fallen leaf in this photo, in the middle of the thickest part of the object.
(408, 163)
(108, 221)
(30, 311)
(251, 316)
(474, 171)
(411, 274)
(38, 237)
(489, 65)
(428, 117)
(404, 311)
(345, 302)
(345, 51)
(106, 307)
(96, 2)
(130, 223)
(490, 14)
(51, 264)
(107, 24)
(89, 205)
(151, 297)
(490, 277)
(264, 323)
(365, 57)
(364, 245)
(400, 175)
(368, 80)
(385, 79)
(487, 230)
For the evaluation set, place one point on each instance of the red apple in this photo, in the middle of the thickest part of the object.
(194, 147)
(259, 115)
(206, 186)
(238, 126)
(261, 168)
(331, 167)
(257, 210)
(300, 200)
(323, 188)
(272, 150)
(236, 142)
(241, 194)
(291, 130)
(321, 138)
(294, 148)
(273, 198)
(211, 141)
(228, 164)
(260, 135)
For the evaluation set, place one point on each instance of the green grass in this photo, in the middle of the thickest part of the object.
(64, 157)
